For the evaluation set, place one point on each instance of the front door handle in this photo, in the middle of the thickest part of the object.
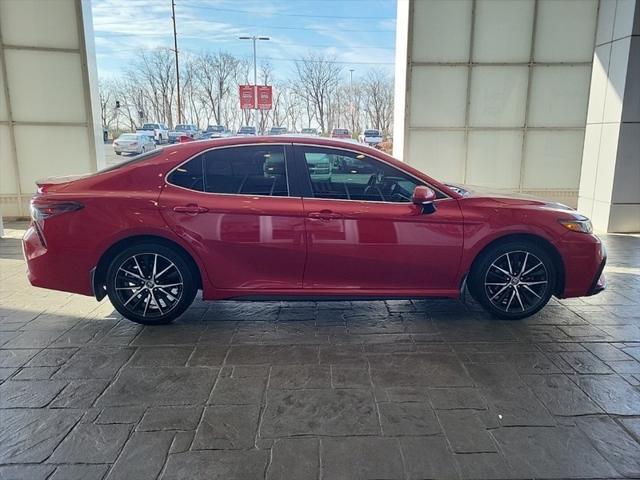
(324, 215)
(191, 208)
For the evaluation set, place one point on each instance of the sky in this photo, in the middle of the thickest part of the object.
(360, 34)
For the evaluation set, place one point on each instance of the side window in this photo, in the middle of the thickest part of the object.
(347, 175)
(251, 170)
(189, 175)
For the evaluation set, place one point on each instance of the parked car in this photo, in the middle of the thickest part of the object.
(248, 217)
(371, 137)
(310, 131)
(247, 131)
(158, 131)
(183, 130)
(135, 143)
(215, 131)
(340, 133)
(278, 131)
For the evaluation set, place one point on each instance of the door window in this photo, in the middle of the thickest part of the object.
(252, 170)
(347, 175)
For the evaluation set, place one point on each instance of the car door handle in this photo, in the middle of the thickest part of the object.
(324, 215)
(193, 209)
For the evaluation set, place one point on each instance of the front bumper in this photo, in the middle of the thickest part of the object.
(584, 258)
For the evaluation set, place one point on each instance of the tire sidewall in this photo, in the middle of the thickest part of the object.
(477, 275)
(189, 283)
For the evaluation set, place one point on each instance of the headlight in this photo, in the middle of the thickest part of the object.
(580, 224)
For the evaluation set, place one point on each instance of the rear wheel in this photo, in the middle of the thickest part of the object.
(150, 284)
(513, 280)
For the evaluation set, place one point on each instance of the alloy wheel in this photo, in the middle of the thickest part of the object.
(516, 281)
(149, 285)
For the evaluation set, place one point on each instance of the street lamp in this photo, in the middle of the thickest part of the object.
(255, 77)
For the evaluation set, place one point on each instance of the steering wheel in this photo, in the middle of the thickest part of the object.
(372, 187)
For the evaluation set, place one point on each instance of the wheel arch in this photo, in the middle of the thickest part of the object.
(99, 273)
(540, 242)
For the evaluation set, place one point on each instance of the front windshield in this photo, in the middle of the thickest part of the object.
(182, 128)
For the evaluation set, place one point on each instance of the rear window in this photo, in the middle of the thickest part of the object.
(128, 136)
(372, 133)
(340, 131)
(136, 159)
(149, 126)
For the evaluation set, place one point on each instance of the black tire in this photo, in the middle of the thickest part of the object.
(143, 299)
(513, 296)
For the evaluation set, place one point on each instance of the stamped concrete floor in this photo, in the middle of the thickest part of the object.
(339, 390)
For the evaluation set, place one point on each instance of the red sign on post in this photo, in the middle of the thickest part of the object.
(247, 98)
(265, 97)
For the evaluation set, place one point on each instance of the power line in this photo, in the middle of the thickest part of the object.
(279, 14)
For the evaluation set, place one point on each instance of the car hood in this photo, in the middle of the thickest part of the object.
(504, 196)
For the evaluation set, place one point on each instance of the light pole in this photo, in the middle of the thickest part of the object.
(351, 106)
(175, 49)
(255, 77)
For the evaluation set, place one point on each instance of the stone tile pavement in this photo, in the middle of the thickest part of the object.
(336, 390)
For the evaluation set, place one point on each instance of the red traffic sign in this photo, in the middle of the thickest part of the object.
(247, 98)
(265, 96)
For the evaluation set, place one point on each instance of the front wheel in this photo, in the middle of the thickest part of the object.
(513, 280)
(150, 284)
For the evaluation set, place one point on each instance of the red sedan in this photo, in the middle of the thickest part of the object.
(298, 218)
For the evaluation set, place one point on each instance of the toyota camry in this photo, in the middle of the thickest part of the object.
(299, 218)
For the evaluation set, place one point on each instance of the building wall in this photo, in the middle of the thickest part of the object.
(48, 90)
(495, 92)
(610, 181)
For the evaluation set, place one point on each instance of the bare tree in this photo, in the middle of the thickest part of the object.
(378, 92)
(317, 79)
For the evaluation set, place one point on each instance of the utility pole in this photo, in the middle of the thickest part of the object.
(175, 49)
(351, 105)
(255, 79)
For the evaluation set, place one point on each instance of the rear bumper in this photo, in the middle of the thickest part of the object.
(63, 271)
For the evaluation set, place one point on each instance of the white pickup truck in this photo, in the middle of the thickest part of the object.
(371, 137)
(159, 131)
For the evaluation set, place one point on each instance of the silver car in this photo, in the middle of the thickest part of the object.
(133, 143)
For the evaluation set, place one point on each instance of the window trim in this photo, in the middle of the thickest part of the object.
(220, 147)
(299, 155)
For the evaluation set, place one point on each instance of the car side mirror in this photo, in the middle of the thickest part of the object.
(424, 197)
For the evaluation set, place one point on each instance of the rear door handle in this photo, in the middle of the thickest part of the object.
(192, 209)
(324, 215)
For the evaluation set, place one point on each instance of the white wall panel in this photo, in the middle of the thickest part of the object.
(503, 30)
(3, 104)
(439, 98)
(590, 157)
(7, 167)
(617, 77)
(606, 17)
(559, 96)
(599, 83)
(439, 154)
(498, 96)
(552, 159)
(45, 86)
(494, 158)
(39, 23)
(51, 151)
(441, 30)
(565, 30)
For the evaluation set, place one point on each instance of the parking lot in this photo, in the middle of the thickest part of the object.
(336, 390)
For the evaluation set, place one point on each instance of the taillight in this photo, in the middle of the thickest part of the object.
(50, 208)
